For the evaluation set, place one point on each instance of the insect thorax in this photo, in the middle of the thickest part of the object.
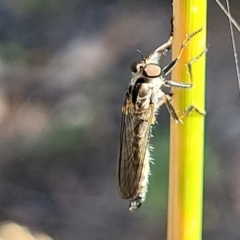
(144, 92)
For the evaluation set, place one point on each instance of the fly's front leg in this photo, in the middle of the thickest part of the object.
(166, 70)
(168, 45)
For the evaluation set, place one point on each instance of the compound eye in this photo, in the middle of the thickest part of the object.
(151, 71)
(136, 66)
(133, 67)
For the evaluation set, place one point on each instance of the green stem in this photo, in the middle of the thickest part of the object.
(187, 140)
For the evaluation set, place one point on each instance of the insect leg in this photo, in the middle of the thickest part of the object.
(166, 70)
(171, 109)
(172, 83)
(189, 64)
(189, 109)
(167, 100)
(174, 115)
(168, 45)
(183, 85)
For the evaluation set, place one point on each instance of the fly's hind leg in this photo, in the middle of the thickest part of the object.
(167, 100)
(171, 109)
(174, 115)
(190, 109)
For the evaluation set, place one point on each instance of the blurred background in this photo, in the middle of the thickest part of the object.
(64, 68)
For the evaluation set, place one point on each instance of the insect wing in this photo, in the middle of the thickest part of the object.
(134, 136)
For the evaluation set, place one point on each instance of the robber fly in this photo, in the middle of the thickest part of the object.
(148, 90)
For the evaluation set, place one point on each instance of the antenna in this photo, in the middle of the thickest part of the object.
(141, 54)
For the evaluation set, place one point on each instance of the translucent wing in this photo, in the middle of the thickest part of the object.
(135, 131)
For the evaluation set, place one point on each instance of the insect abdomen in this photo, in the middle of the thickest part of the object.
(142, 184)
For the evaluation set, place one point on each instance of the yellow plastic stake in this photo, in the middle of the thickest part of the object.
(187, 139)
